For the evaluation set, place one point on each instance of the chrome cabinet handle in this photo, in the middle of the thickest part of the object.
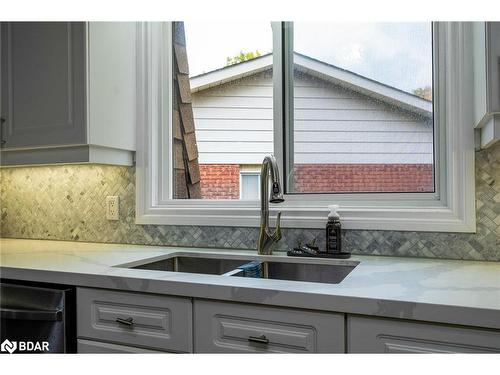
(260, 339)
(127, 322)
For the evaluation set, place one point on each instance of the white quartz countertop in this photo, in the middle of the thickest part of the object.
(446, 291)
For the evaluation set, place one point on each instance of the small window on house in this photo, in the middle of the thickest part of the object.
(222, 115)
(250, 185)
(362, 108)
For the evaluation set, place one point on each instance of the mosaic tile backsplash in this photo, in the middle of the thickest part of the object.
(67, 203)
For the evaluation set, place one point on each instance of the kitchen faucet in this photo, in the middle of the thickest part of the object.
(267, 239)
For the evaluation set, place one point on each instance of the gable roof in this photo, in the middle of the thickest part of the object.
(319, 69)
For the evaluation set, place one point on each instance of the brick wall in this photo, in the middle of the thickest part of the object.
(363, 177)
(220, 181)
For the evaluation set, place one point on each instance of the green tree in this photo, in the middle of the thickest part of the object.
(241, 57)
(424, 92)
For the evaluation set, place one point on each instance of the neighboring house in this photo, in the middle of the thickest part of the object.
(351, 133)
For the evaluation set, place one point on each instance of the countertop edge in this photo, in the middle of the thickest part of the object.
(383, 308)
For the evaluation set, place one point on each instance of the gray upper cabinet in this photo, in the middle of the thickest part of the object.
(486, 62)
(43, 84)
(68, 92)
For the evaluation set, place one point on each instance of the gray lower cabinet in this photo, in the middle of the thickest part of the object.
(222, 327)
(374, 335)
(97, 347)
(151, 321)
(111, 321)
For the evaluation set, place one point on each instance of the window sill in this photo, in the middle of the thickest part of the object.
(428, 218)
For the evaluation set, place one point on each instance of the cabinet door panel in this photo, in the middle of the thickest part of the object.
(146, 320)
(373, 335)
(43, 83)
(222, 327)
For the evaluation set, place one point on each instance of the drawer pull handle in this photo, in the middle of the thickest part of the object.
(260, 339)
(127, 322)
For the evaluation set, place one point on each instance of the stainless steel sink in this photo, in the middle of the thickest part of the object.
(315, 273)
(191, 264)
(269, 267)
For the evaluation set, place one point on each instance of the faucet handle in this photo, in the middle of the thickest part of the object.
(277, 231)
(278, 219)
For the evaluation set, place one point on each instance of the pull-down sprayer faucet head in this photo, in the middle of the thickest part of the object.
(267, 239)
(276, 193)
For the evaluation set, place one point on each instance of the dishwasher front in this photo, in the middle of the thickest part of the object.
(36, 319)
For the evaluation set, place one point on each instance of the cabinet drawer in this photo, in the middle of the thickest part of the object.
(372, 335)
(228, 327)
(97, 347)
(145, 320)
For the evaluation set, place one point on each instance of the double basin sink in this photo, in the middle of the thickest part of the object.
(266, 267)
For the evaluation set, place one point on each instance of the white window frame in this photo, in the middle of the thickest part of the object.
(249, 173)
(450, 209)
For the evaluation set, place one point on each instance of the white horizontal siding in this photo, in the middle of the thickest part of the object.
(365, 158)
(236, 147)
(387, 127)
(228, 136)
(377, 158)
(360, 148)
(304, 149)
(235, 90)
(233, 125)
(361, 137)
(316, 137)
(203, 101)
(238, 113)
(332, 125)
(314, 126)
(259, 90)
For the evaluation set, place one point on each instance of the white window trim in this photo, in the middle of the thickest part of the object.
(248, 173)
(451, 209)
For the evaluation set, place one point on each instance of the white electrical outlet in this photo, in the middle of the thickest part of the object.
(112, 207)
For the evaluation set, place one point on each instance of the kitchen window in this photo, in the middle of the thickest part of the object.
(250, 185)
(222, 106)
(381, 130)
(361, 108)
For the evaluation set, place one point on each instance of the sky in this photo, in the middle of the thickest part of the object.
(397, 54)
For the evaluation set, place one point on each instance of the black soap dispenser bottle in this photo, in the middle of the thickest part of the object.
(333, 231)
(334, 235)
